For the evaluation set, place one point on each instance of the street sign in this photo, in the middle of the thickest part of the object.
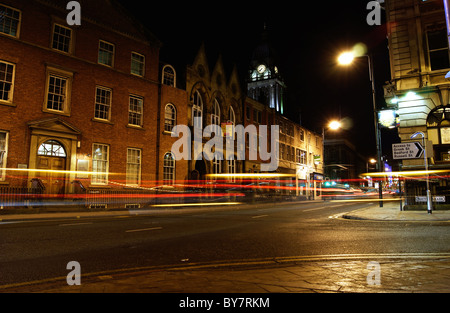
(435, 199)
(410, 150)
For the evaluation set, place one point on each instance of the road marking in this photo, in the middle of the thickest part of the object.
(260, 216)
(325, 207)
(74, 224)
(143, 229)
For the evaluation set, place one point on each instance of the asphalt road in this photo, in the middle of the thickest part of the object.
(40, 250)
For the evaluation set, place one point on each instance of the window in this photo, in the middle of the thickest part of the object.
(62, 37)
(103, 103)
(438, 49)
(100, 163)
(232, 117)
(133, 167)
(170, 117)
(6, 81)
(232, 169)
(168, 76)
(52, 148)
(135, 111)
(303, 158)
(217, 166)
(3, 154)
(215, 114)
(137, 64)
(9, 21)
(197, 110)
(105, 53)
(169, 169)
(58, 91)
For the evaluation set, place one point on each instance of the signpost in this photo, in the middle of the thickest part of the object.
(406, 151)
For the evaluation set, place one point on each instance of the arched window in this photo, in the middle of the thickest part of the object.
(169, 169)
(232, 169)
(215, 114)
(197, 110)
(169, 76)
(170, 117)
(232, 116)
(52, 148)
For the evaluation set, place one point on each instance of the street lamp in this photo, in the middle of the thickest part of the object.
(346, 59)
(429, 199)
(334, 125)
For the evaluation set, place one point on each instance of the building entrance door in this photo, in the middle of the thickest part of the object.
(51, 160)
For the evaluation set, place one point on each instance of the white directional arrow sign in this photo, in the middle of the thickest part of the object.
(410, 150)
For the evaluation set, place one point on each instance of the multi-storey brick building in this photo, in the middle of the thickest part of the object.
(92, 103)
(87, 103)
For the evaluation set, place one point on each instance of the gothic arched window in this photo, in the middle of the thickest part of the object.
(197, 110)
(215, 114)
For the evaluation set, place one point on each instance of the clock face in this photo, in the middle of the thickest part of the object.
(261, 68)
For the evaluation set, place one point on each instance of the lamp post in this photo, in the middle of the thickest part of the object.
(334, 125)
(346, 59)
(429, 199)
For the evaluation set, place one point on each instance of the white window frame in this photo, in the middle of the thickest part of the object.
(61, 75)
(169, 79)
(134, 165)
(100, 49)
(170, 121)
(138, 62)
(4, 155)
(19, 21)
(133, 113)
(169, 169)
(100, 177)
(107, 105)
(11, 89)
(69, 48)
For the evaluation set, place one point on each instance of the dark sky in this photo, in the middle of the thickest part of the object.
(307, 35)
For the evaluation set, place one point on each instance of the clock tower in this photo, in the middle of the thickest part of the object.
(264, 82)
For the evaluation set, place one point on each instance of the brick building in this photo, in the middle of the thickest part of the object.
(88, 103)
(94, 104)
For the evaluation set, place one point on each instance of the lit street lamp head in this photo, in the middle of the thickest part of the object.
(346, 58)
(335, 125)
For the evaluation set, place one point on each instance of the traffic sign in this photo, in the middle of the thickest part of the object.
(410, 150)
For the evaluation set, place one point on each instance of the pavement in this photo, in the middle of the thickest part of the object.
(377, 273)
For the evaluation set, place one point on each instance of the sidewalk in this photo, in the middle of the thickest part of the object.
(326, 274)
(391, 212)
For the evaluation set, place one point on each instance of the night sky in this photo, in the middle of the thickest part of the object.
(307, 36)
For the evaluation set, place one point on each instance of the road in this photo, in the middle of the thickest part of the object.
(40, 250)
